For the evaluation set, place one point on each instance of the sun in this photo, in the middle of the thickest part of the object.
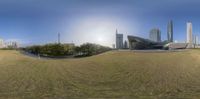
(95, 30)
(100, 39)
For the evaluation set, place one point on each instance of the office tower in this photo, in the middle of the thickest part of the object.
(196, 41)
(113, 46)
(170, 31)
(58, 38)
(155, 35)
(119, 40)
(125, 44)
(189, 35)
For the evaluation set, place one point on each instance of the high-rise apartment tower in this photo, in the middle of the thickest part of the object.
(189, 35)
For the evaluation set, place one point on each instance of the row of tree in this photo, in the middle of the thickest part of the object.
(56, 49)
(89, 49)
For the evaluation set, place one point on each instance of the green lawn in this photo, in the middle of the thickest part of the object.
(127, 75)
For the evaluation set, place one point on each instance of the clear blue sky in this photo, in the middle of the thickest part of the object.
(79, 21)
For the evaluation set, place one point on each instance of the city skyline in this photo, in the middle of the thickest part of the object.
(39, 22)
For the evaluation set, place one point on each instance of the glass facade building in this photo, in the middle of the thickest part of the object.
(170, 31)
(155, 35)
(189, 35)
(119, 40)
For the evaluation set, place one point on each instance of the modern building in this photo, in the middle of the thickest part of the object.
(138, 43)
(11, 44)
(119, 40)
(189, 35)
(172, 46)
(170, 31)
(1, 43)
(196, 41)
(125, 44)
(8, 44)
(113, 46)
(155, 35)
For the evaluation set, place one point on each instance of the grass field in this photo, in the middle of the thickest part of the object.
(127, 75)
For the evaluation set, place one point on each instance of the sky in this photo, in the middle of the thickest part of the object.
(79, 21)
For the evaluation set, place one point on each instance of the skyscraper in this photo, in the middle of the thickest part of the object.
(155, 35)
(58, 38)
(125, 44)
(196, 41)
(119, 40)
(189, 35)
(170, 31)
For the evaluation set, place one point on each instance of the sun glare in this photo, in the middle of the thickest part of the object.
(96, 30)
(100, 39)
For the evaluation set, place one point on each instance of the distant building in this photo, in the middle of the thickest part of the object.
(11, 44)
(170, 31)
(125, 44)
(113, 45)
(155, 35)
(1, 43)
(119, 40)
(196, 41)
(189, 35)
(8, 44)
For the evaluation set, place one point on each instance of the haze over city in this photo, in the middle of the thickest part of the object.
(39, 21)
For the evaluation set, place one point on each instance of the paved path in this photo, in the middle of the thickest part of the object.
(155, 51)
(42, 57)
